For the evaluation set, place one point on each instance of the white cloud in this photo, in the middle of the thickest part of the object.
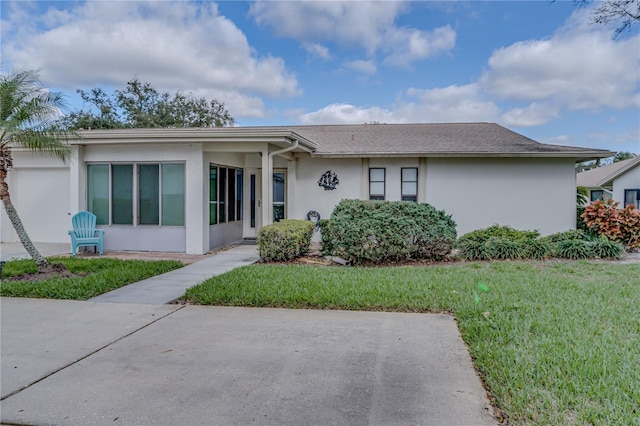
(347, 114)
(365, 67)
(407, 45)
(318, 50)
(579, 67)
(533, 115)
(370, 25)
(443, 105)
(172, 45)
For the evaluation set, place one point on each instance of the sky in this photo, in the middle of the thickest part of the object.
(539, 68)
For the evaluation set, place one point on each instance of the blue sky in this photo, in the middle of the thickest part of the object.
(537, 67)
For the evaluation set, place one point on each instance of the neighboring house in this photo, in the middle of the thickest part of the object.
(192, 190)
(620, 181)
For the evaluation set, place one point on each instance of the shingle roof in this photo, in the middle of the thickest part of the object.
(601, 176)
(470, 139)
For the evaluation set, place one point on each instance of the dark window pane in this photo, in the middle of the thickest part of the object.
(278, 187)
(149, 194)
(98, 192)
(231, 194)
(122, 189)
(253, 200)
(173, 194)
(278, 212)
(239, 192)
(222, 195)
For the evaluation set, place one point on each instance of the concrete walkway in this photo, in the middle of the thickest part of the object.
(165, 288)
(85, 363)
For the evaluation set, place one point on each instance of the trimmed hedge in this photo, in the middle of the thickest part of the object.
(285, 240)
(363, 231)
(502, 242)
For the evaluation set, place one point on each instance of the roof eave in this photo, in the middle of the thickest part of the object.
(192, 135)
(577, 156)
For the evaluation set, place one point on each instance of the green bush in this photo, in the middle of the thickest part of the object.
(483, 235)
(574, 249)
(363, 231)
(285, 240)
(577, 234)
(538, 249)
(505, 248)
(607, 249)
(475, 250)
(325, 236)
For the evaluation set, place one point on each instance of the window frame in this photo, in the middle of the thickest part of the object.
(282, 203)
(405, 196)
(378, 196)
(636, 203)
(135, 192)
(229, 192)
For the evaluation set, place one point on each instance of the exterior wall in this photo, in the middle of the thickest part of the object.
(629, 180)
(309, 195)
(193, 237)
(40, 191)
(522, 193)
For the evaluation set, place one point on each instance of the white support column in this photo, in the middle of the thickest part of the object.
(267, 188)
(364, 184)
(292, 166)
(422, 180)
(77, 180)
(196, 201)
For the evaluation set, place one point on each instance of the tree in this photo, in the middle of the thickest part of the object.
(624, 13)
(28, 119)
(621, 156)
(140, 105)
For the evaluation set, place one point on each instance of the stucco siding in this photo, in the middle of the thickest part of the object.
(40, 192)
(309, 195)
(628, 180)
(522, 193)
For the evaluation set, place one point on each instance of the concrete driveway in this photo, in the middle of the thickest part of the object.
(81, 363)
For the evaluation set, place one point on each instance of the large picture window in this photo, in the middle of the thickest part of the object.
(225, 194)
(632, 196)
(377, 183)
(279, 196)
(409, 183)
(136, 194)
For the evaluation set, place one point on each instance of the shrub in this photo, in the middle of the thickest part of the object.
(577, 234)
(285, 240)
(538, 249)
(629, 224)
(325, 236)
(574, 249)
(475, 250)
(483, 235)
(602, 217)
(607, 249)
(580, 225)
(605, 219)
(363, 231)
(505, 248)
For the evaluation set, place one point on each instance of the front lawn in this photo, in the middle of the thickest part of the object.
(556, 342)
(95, 276)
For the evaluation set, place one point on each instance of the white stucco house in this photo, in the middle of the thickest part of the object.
(620, 181)
(192, 190)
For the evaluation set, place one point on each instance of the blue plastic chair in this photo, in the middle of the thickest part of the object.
(84, 232)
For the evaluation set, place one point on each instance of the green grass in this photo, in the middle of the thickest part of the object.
(103, 275)
(556, 342)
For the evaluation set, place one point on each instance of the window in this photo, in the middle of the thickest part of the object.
(597, 194)
(632, 196)
(279, 185)
(252, 192)
(376, 183)
(152, 193)
(409, 184)
(225, 194)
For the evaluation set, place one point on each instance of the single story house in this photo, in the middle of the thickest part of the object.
(620, 181)
(193, 190)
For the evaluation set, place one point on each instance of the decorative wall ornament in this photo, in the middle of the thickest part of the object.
(329, 180)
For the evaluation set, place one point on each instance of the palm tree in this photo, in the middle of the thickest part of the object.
(28, 119)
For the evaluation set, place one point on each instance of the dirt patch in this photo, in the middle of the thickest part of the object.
(53, 270)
